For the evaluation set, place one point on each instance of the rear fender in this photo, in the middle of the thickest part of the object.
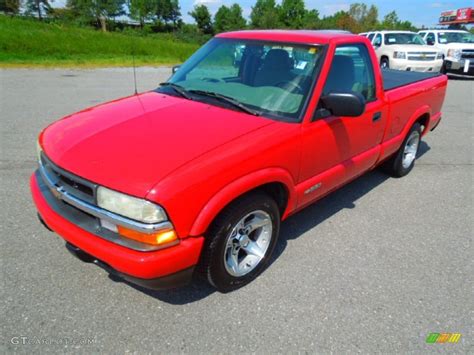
(390, 146)
(239, 187)
(418, 113)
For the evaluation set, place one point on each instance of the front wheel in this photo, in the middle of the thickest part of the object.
(404, 160)
(240, 242)
(443, 69)
(384, 64)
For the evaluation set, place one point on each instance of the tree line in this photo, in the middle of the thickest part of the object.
(166, 16)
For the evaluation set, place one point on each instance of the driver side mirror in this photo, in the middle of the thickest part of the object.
(349, 104)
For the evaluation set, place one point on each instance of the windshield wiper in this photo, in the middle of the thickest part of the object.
(226, 99)
(178, 88)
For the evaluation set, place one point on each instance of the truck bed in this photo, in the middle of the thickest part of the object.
(393, 79)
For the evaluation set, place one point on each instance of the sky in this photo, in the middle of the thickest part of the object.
(419, 12)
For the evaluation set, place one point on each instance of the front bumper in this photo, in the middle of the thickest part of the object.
(177, 279)
(414, 65)
(462, 67)
(143, 268)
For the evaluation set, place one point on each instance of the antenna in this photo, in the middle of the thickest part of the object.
(134, 68)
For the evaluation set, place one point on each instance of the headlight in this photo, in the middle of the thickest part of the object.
(454, 53)
(439, 55)
(38, 151)
(399, 55)
(131, 207)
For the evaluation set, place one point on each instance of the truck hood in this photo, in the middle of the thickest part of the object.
(132, 143)
(459, 46)
(412, 48)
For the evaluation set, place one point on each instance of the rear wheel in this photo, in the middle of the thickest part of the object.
(384, 63)
(404, 160)
(241, 241)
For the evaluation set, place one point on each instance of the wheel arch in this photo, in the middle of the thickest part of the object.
(276, 182)
(424, 121)
(422, 116)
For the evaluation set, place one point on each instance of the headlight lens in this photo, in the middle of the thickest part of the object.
(454, 53)
(131, 207)
(399, 55)
(439, 55)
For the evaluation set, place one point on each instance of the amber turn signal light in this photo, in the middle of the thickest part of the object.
(158, 238)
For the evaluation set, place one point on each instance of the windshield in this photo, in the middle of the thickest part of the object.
(455, 37)
(268, 78)
(403, 38)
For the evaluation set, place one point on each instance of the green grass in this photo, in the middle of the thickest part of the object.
(26, 42)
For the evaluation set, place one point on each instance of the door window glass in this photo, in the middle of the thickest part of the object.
(430, 39)
(351, 70)
(378, 40)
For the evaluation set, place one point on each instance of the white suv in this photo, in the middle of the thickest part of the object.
(405, 50)
(457, 47)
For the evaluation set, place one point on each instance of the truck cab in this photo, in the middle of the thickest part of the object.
(405, 50)
(457, 47)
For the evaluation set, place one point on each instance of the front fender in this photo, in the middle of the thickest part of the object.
(239, 187)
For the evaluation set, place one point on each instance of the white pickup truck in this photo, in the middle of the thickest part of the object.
(457, 47)
(404, 50)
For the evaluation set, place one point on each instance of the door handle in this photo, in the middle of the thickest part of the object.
(377, 116)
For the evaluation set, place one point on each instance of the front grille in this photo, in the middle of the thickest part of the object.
(467, 54)
(86, 216)
(76, 186)
(422, 56)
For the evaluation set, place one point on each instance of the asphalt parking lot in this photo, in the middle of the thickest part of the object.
(374, 267)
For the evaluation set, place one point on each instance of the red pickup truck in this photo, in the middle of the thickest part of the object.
(194, 178)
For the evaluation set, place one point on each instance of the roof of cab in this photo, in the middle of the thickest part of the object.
(289, 36)
(441, 31)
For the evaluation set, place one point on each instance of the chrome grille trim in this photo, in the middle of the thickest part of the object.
(76, 186)
(61, 193)
(467, 54)
(422, 56)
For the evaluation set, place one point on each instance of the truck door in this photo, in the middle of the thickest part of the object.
(336, 149)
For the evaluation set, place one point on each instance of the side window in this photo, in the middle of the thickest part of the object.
(430, 38)
(351, 70)
(371, 36)
(378, 40)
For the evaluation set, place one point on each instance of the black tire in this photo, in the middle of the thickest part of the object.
(384, 63)
(213, 267)
(394, 166)
(443, 69)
